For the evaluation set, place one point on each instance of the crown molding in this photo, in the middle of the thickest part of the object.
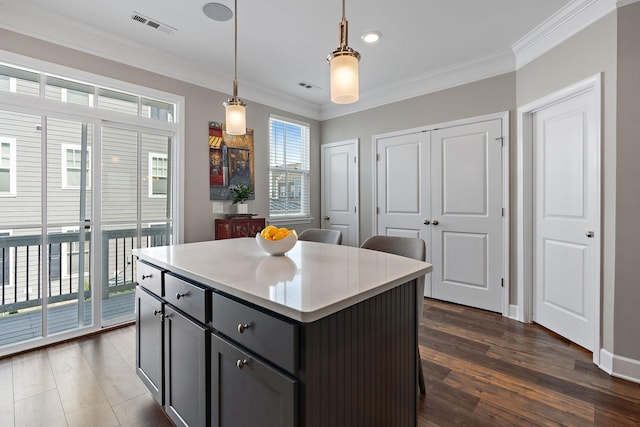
(81, 37)
(568, 21)
(622, 3)
(444, 78)
(572, 18)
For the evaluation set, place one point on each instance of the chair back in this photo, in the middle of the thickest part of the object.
(410, 247)
(321, 235)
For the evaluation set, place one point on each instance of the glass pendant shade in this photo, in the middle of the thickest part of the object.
(235, 110)
(345, 87)
(343, 68)
(235, 117)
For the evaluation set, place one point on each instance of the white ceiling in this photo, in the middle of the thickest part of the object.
(426, 44)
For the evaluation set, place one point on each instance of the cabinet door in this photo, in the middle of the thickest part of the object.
(149, 341)
(186, 376)
(247, 392)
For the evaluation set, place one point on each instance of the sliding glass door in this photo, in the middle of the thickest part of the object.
(75, 198)
(45, 223)
(136, 208)
(85, 177)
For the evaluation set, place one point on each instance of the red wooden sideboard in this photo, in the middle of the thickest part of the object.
(238, 227)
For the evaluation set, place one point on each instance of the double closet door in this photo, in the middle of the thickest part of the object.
(445, 186)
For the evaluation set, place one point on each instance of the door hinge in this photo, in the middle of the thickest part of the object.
(355, 159)
(355, 209)
(377, 210)
(501, 139)
(502, 283)
(377, 157)
(502, 211)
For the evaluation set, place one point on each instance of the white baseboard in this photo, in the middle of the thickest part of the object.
(514, 312)
(619, 366)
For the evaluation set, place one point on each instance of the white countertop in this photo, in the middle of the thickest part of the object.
(311, 281)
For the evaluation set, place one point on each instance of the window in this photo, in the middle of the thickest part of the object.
(7, 167)
(17, 80)
(68, 254)
(69, 91)
(158, 168)
(288, 169)
(71, 161)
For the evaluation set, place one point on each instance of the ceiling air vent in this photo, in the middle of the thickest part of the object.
(307, 85)
(152, 23)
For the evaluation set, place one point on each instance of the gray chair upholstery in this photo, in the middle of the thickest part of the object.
(409, 247)
(321, 235)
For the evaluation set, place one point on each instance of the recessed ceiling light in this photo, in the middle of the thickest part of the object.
(371, 37)
(217, 11)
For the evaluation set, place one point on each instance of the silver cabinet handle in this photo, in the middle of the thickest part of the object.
(240, 363)
(243, 327)
(435, 222)
(156, 312)
(326, 218)
(590, 234)
(148, 276)
(427, 222)
(182, 295)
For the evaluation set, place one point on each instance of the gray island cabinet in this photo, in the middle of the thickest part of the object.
(326, 335)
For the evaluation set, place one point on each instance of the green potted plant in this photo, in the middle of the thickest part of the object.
(241, 194)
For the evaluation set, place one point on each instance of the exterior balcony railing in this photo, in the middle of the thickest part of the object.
(21, 264)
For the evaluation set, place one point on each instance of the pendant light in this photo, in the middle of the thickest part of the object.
(343, 64)
(235, 109)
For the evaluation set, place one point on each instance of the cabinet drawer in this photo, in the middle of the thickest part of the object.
(247, 392)
(191, 299)
(150, 277)
(274, 339)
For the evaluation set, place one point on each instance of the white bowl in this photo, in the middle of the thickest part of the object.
(277, 247)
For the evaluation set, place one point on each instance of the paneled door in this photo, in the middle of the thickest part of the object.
(466, 214)
(403, 188)
(445, 186)
(566, 200)
(339, 190)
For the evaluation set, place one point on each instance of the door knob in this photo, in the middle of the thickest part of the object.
(435, 222)
(590, 234)
(326, 218)
(427, 222)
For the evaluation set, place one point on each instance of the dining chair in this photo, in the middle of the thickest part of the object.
(321, 235)
(410, 247)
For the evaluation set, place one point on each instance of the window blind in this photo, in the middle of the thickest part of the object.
(288, 169)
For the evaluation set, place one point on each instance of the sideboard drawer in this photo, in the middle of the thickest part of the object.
(149, 277)
(272, 338)
(191, 299)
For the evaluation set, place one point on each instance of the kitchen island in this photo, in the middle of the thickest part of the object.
(326, 335)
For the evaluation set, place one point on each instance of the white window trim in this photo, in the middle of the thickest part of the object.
(66, 249)
(64, 170)
(150, 180)
(12, 166)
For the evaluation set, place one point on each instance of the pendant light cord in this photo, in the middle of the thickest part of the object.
(235, 51)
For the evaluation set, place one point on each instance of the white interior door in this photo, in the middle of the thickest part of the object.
(466, 214)
(403, 181)
(566, 204)
(339, 189)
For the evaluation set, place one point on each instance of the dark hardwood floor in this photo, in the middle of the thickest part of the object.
(480, 369)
